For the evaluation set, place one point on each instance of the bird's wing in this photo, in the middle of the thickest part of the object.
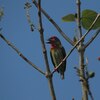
(52, 58)
(64, 54)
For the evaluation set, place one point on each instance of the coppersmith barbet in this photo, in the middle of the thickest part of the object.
(57, 53)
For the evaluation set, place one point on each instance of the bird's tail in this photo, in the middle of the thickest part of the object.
(62, 76)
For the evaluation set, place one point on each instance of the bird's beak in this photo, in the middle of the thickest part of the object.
(48, 41)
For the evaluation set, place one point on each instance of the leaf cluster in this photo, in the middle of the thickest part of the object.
(87, 19)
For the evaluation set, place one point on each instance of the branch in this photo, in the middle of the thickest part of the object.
(21, 55)
(54, 23)
(82, 38)
(90, 93)
(81, 53)
(42, 37)
(92, 38)
(78, 2)
(49, 77)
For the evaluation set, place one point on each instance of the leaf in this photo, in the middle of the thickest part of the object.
(88, 16)
(69, 18)
(91, 74)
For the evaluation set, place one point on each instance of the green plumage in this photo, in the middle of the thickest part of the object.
(57, 53)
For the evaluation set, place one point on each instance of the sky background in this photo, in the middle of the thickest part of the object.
(20, 81)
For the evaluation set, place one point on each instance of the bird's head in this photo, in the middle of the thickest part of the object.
(54, 41)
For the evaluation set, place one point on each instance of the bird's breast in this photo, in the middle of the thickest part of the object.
(57, 56)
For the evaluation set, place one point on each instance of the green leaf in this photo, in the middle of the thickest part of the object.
(69, 18)
(88, 16)
(91, 74)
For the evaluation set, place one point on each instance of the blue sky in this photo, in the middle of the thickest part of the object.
(20, 81)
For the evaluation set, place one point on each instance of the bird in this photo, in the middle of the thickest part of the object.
(57, 54)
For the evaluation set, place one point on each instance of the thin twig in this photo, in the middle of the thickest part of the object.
(54, 23)
(90, 93)
(78, 42)
(27, 7)
(49, 77)
(92, 38)
(78, 2)
(21, 55)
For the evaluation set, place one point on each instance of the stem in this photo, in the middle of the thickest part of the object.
(82, 71)
(52, 92)
(81, 51)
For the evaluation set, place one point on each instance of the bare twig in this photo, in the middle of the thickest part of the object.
(78, 2)
(21, 55)
(92, 38)
(27, 7)
(49, 77)
(90, 93)
(54, 23)
(77, 42)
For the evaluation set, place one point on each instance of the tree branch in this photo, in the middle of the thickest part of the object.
(54, 23)
(49, 77)
(21, 55)
(77, 43)
(92, 38)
